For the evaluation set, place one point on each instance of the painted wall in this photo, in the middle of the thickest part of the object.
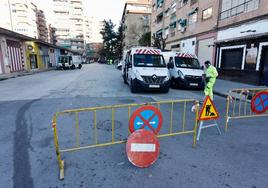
(188, 46)
(259, 27)
(33, 48)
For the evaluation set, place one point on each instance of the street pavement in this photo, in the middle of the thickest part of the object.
(237, 158)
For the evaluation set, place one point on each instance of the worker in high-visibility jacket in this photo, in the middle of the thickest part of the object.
(211, 74)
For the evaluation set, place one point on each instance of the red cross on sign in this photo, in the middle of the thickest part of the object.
(146, 117)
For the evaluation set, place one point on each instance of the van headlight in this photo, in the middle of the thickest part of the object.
(180, 74)
(138, 76)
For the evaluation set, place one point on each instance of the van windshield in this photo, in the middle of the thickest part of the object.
(190, 63)
(149, 60)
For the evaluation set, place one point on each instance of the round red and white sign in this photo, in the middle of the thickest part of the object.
(142, 148)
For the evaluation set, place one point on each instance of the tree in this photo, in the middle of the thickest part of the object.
(119, 41)
(145, 39)
(159, 42)
(109, 39)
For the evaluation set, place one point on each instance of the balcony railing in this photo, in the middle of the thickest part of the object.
(239, 9)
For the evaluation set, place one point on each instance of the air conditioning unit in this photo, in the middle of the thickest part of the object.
(183, 29)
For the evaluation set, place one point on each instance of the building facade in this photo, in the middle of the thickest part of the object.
(189, 26)
(52, 38)
(20, 16)
(136, 20)
(242, 41)
(69, 24)
(42, 29)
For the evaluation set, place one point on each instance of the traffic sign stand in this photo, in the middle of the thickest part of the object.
(202, 126)
(208, 112)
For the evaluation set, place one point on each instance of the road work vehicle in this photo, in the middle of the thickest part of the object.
(144, 68)
(185, 70)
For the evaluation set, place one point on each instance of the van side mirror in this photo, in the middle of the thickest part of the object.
(202, 67)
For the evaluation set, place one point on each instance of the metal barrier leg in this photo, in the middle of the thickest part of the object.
(199, 130)
(56, 142)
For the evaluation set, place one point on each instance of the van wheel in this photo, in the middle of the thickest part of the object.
(132, 87)
(80, 66)
(173, 84)
(73, 67)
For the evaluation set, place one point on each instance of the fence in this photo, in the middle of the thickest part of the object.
(239, 104)
(99, 126)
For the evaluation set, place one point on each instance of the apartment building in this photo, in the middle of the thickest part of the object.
(52, 39)
(188, 26)
(242, 40)
(87, 30)
(42, 28)
(20, 16)
(69, 23)
(136, 21)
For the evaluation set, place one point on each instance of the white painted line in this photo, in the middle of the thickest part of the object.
(136, 147)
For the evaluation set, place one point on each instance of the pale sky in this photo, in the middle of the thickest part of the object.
(101, 9)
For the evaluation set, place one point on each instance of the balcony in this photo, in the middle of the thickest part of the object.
(239, 9)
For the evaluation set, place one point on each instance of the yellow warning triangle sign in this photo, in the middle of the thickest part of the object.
(209, 110)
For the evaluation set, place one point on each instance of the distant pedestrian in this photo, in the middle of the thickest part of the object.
(211, 74)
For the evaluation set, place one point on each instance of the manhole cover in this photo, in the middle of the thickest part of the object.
(107, 125)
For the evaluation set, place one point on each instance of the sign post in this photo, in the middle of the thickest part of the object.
(208, 112)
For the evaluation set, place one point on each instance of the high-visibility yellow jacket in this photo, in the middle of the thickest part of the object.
(211, 73)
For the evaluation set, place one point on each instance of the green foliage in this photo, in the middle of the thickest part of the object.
(145, 39)
(109, 39)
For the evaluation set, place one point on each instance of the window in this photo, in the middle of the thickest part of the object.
(166, 32)
(148, 60)
(182, 62)
(207, 13)
(232, 8)
(193, 18)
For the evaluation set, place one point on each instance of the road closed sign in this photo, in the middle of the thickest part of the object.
(208, 110)
(142, 148)
(146, 117)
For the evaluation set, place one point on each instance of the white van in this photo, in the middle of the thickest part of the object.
(145, 68)
(185, 71)
(69, 62)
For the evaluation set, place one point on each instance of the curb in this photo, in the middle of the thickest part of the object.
(25, 74)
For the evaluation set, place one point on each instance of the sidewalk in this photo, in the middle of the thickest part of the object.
(223, 86)
(23, 73)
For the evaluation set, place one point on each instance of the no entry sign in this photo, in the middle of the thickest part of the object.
(259, 103)
(142, 148)
(146, 117)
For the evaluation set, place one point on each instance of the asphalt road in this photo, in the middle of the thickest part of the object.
(237, 158)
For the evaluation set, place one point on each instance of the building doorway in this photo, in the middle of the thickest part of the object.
(232, 58)
(33, 61)
(264, 66)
